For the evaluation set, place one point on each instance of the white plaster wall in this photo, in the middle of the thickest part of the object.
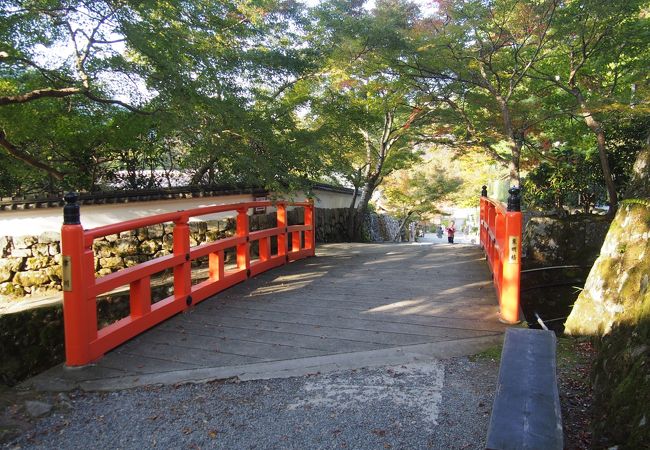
(37, 221)
(325, 199)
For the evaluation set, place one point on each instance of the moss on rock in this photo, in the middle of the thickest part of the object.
(614, 308)
(615, 280)
(30, 341)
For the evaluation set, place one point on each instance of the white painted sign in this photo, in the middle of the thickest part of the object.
(513, 245)
(66, 268)
(260, 209)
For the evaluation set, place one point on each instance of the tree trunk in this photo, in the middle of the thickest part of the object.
(373, 176)
(401, 226)
(28, 159)
(352, 215)
(362, 208)
(514, 163)
(597, 128)
(205, 168)
(514, 144)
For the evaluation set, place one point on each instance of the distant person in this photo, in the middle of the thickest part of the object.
(439, 232)
(451, 230)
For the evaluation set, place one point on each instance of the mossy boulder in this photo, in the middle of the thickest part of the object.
(168, 242)
(130, 261)
(49, 237)
(619, 278)
(5, 245)
(24, 241)
(111, 237)
(142, 234)
(614, 308)
(155, 231)
(41, 249)
(55, 273)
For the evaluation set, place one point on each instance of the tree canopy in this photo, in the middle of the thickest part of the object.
(95, 94)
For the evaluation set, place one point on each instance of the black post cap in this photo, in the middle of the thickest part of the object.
(71, 209)
(514, 199)
(484, 191)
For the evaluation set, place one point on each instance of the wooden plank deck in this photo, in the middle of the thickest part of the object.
(352, 299)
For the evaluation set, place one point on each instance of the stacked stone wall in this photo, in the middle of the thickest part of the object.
(332, 224)
(31, 265)
(552, 240)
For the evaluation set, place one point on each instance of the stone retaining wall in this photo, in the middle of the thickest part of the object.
(552, 240)
(31, 265)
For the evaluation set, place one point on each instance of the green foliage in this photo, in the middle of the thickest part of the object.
(417, 192)
(569, 174)
(95, 93)
(569, 179)
(269, 92)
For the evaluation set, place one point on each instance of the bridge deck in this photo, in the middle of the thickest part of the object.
(351, 306)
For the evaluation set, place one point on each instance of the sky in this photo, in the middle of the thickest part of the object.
(426, 6)
(132, 89)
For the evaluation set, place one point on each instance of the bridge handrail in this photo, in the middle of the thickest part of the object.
(85, 343)
(500, 237)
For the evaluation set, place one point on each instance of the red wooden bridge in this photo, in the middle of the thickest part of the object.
(353, 305)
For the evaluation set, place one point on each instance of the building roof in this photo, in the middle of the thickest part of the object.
(143, 195)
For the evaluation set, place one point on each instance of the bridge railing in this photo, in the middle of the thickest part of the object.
(500, 235)
(85, 343)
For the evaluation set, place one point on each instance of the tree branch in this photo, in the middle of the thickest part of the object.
(27, 158)
(38, 94)
(108, 101)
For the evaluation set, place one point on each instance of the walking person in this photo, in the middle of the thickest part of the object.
(451, 230)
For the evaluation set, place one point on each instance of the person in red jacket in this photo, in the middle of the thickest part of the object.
(451, 230)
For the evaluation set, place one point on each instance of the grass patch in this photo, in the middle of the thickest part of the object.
(573, 353)
(492, 353)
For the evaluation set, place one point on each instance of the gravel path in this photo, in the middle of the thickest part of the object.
(437, 404)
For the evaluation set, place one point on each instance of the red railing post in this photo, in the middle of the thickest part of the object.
(295, 241)
(78, 270)
(310, 235)
(501, 232)
(483, 219)
(492, 218)
(510, 296)
(264, 248)
(85, 343)
(140, 297)
(216, 270)
(183, 271)
(243, 249)
(281, 215)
